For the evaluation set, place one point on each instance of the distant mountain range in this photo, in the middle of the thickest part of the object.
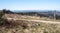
(34, 10)
(38, 11)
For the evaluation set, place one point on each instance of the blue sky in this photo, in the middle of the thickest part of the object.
(30, 4)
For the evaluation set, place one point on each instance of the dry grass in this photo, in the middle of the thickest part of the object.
(24, 26)
(16, 16)
(34, 28)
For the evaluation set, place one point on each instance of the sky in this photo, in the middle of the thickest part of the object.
(30, 4)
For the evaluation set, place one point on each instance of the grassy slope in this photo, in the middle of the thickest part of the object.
(41, 28)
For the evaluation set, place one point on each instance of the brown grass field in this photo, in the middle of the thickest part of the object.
(14, 23)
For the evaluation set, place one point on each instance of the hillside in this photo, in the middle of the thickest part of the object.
(27, 24)
(18, 23)
(41, 13)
